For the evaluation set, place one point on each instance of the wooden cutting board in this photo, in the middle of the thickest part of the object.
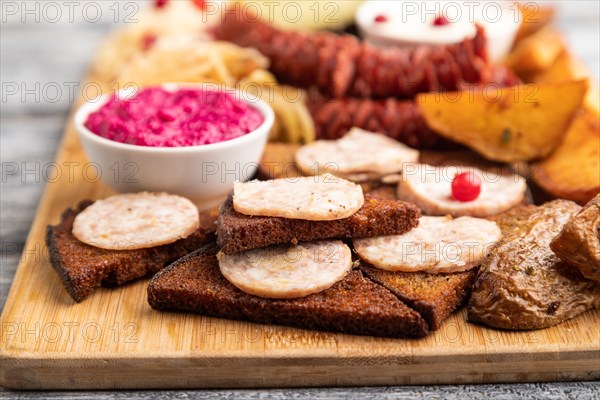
(113, 339)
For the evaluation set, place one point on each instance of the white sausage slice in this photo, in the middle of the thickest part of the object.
(136, 221)
(358, 156)
(287, 271)
(315, 198)
(430, 188)
(437, 245)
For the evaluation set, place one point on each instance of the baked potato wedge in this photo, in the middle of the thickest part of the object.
(536, 52)
(520, 123)
(572, 171)
(533, 18)
(567, 67)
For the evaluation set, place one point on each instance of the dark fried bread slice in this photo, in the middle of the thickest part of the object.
(237, 232)
(83, 268)
(354, 305)
(434, 296)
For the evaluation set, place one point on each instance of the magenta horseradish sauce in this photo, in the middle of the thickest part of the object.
(156, 117)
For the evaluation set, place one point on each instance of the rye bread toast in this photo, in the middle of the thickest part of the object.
(83, 268)
(434, 296)
(237, 232)
(354, 305)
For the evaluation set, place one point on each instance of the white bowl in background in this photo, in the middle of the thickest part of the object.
(501, 35)
(410, 23)
(205, 174)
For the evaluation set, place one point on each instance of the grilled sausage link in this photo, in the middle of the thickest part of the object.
(398, 119)
(343, 66)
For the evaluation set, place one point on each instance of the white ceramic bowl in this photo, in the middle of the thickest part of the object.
(501, 34)
(205, 174)
(409, 23)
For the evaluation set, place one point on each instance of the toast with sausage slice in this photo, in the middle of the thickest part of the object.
(83, 268)
(237, 232)
(354, 305)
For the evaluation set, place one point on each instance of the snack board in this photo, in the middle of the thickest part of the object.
(115, 340)
(112, 338)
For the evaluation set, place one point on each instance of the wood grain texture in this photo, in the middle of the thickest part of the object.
(114, 339)
(30, 133)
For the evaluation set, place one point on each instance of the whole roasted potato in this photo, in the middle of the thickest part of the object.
(579, 241)
(522, 284)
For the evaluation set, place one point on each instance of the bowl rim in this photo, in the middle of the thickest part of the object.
(92, 105)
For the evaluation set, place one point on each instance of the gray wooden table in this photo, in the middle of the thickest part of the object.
(43, 57)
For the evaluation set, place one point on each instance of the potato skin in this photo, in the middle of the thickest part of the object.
(579, 241)
(523, 284)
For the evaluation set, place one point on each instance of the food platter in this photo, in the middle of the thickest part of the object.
(114, 339)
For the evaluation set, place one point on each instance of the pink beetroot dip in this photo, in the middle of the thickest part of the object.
(156, 117)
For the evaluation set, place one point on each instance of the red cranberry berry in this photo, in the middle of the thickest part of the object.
(441, 21)
(201, 4)
(381, 19)
(148, 41)
(161, 3)
(466, 186)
